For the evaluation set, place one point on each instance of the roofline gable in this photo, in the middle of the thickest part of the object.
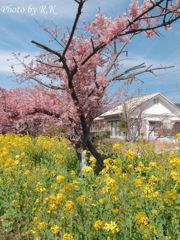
(170, 103)
(162, 97)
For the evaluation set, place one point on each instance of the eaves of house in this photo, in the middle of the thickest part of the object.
(140, 103)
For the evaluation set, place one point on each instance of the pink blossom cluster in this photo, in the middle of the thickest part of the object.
(23, 107)
(105, 29)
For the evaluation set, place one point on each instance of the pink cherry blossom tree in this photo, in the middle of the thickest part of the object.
(84, 64)
(29, 110)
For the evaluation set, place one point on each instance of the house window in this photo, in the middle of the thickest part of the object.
(154, 128)
(115, 129)
(176, 127)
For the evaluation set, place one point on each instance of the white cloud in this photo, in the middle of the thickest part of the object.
(5, 65)
(13, 36)
(7, 60)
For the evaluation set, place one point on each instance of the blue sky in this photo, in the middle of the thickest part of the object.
(18, 27)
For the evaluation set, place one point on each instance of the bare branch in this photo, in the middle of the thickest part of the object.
(130, 74)
(61, 58)
(50, 86)
(93, 47)
(47, 49)
(47, 64)
(115, 57)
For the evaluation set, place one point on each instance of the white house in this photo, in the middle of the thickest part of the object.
(149, 117)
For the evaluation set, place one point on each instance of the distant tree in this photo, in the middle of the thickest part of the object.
(86, 62)
(131, 123)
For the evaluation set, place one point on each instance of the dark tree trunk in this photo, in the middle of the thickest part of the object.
(95, 154)
(87, 144)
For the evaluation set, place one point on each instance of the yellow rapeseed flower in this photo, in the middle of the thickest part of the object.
(52, 206)
(111, 227)
(80, 198)
(138, 181)
(153, 179)
(141, 219)
(59, 197)
(116, 147)
(110, 181)
(67, 236)
(153, 229)
(58, 156)
(73, 173)
(130, 167)
(98, 224)
(41, 225)
(39, 188)
(130, 154)
(60, 179)
(55, 229)
(171, 195)
(92, 161)
(152, 164)
(174, 176)
(147, 189)
(26, 172)
(139, 167)
(178, 135)
(174, 162)
(115, 210)
(87, 170)
(124, 176)
(69, 205)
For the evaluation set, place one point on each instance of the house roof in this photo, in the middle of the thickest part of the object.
(133, 103)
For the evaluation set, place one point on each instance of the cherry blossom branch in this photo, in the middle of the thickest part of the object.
(78, 14)
(48, 65)
(44, 111)
(61, 58)
(69, 75)
(38, 72)
(53, 34)
(134, 31)
(137, 31)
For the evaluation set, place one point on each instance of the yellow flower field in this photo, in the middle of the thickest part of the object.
(44, 195)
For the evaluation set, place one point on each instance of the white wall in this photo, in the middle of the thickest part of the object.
(158, 109)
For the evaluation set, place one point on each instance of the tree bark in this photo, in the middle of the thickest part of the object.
(87, 144)
(95, 153)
